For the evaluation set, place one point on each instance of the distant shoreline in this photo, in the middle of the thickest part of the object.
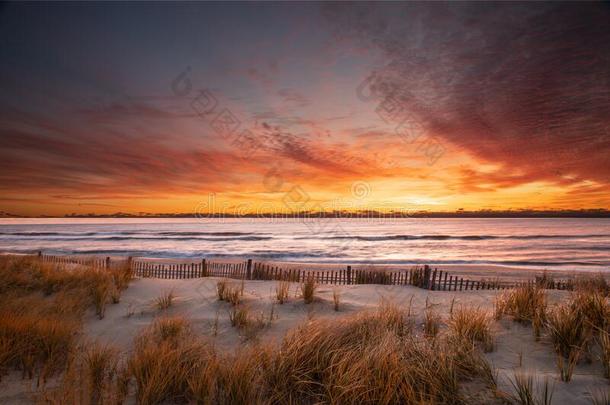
(523, 214)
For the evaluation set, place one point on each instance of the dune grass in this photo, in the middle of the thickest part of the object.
(95, 375)
(531, 392)
(473, 325)
(282, 289)
(368, 358)
(229, 292)
(165, 300)
(336, 298)
(308, 289)
(42, 309)
(526, 304)
(432, 322)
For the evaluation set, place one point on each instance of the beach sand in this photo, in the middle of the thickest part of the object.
(196, 300)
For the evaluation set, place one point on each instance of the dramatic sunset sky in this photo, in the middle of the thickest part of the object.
(274, 107)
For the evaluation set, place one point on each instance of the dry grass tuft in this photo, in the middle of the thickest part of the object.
(94, 376)
(166, 329)
(336, 298)
(122, 276)
(221, 287)
(165, 301)
(308, 289)
(247, 322)
(604, 344)
(526, 304)
(41, 313)
(36, 343)
(432, 322)
(593, 306)
(281, 291)
(239, 316)
(369, 358)
(100, 293)
(525, 394)
(100, 364)
(228, 292)
(473, 325)
(162, 372)
(570, 334)
(233, 295)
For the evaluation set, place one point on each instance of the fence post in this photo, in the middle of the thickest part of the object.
(349, 274)
(426, 281)
(40, 254)
(249, 270)
(107, 262)
(432, 286)
(129, 262)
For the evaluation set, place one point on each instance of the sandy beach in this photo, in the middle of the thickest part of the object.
(197, 301)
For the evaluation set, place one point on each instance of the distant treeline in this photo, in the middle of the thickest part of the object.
(585, 213)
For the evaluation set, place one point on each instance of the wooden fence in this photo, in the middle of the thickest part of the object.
(423, 277)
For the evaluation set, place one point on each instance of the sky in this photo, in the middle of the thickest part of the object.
(281, 107)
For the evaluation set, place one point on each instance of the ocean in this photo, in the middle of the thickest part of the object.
(553, 243)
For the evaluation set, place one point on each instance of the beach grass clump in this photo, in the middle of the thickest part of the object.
(568, 329)
(522, 303)
(308, 289)
(366, 358)
(604, 345)
(573, 325)
(526, 304)
(233, 295)
(239, 316)
(100, 365)
(336, 298)
(229, 292)
(570, 333)
(166, 329)
(122, 276)
(164, 353)
(593, 305)
(95, 375)
(247, 322)
(242, 377)
(36, 343)
(432, 322)
(282, 289)
(165, 300)
(527, 392)
(221, 287)
(369, 358)
(101, 291)
(41, 312)
(163, 372)
(473, 325)
(183, 368)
